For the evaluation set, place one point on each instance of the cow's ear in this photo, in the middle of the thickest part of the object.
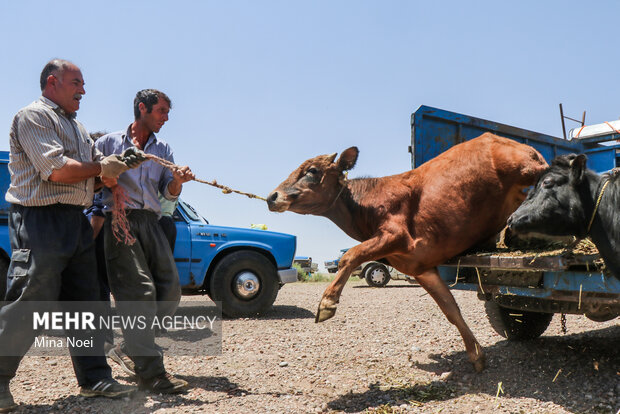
(578, 168)
(347, 159)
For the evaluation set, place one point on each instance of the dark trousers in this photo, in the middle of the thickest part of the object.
(170, 230)
(104, 286)
(144, 281)
(53, 259)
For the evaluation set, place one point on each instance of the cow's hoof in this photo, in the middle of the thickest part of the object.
(480, 363)
(325, 312)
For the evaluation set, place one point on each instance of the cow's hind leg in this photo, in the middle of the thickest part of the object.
(436, 287)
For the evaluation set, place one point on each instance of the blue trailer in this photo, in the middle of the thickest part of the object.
(523, 292)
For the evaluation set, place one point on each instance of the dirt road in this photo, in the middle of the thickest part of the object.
(387, 350)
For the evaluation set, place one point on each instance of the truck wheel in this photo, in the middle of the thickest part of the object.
(245, 282)
(377, 275)
(516, 325)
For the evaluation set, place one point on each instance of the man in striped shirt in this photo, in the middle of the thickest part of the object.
(54, 166)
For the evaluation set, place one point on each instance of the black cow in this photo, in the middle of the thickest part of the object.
(569, 199)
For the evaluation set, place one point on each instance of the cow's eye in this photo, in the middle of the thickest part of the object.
(312, 171)
(548, 182)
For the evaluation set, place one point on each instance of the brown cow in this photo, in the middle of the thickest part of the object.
(418, 219)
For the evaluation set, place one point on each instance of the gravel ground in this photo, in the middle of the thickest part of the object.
(387, 350)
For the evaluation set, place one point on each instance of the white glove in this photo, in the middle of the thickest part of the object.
(112, 166)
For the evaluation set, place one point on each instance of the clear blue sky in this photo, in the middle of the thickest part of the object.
(259, 86)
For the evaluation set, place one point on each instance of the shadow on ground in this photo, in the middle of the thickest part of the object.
(137, 403)
(580, 372)
(377, 395)
(287, 312)
(387, 286)
(276, 312)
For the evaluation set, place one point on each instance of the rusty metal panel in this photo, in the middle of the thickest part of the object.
(526, 262)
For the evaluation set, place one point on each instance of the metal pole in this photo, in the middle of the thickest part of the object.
(562, 117)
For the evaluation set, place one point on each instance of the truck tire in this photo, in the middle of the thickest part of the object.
(377, 275)
(516, 325)
(245, 282)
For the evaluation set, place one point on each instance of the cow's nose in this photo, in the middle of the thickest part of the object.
(517, 220)
(509, 222)
(271, 199)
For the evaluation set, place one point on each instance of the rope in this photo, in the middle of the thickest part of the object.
(598, 201)
(226, 190)
(579, 132)
(120, 224)
(608, 124)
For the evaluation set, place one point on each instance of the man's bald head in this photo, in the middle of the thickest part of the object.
(63, 84)
(55, 67)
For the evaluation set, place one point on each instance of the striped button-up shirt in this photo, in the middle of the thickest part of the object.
(143, 184)
(42, 138)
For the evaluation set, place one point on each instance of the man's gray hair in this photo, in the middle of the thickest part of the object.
(53, 67)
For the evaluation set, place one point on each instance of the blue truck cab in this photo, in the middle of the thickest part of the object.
(521, 293)
(5, 244)
(241, 268)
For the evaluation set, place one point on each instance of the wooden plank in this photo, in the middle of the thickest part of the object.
(530, 262)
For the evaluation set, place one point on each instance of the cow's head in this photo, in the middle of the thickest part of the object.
(314, 186)
(554, 205)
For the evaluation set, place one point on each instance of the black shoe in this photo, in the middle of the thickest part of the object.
(107, 388)
(163, 384)
(6, 399)
(117, 355)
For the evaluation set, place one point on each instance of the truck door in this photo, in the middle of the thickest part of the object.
(182, 248)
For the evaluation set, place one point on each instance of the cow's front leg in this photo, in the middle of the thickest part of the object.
(327, 308)
(331, 296)
(372, 249)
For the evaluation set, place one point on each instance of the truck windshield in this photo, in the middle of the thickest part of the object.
(191, 213)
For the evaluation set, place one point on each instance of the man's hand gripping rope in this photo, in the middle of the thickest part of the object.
(132, 157)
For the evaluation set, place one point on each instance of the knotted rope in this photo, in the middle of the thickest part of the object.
(226, 190)
(598, 202)
(120, 224)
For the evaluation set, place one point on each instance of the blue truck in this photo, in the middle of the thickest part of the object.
(522, 293)
(241, 268)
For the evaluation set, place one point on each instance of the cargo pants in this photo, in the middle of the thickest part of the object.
(144, 281)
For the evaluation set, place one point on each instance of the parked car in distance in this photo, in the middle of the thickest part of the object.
(332, 265)
(306, 264)
(376, 274)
